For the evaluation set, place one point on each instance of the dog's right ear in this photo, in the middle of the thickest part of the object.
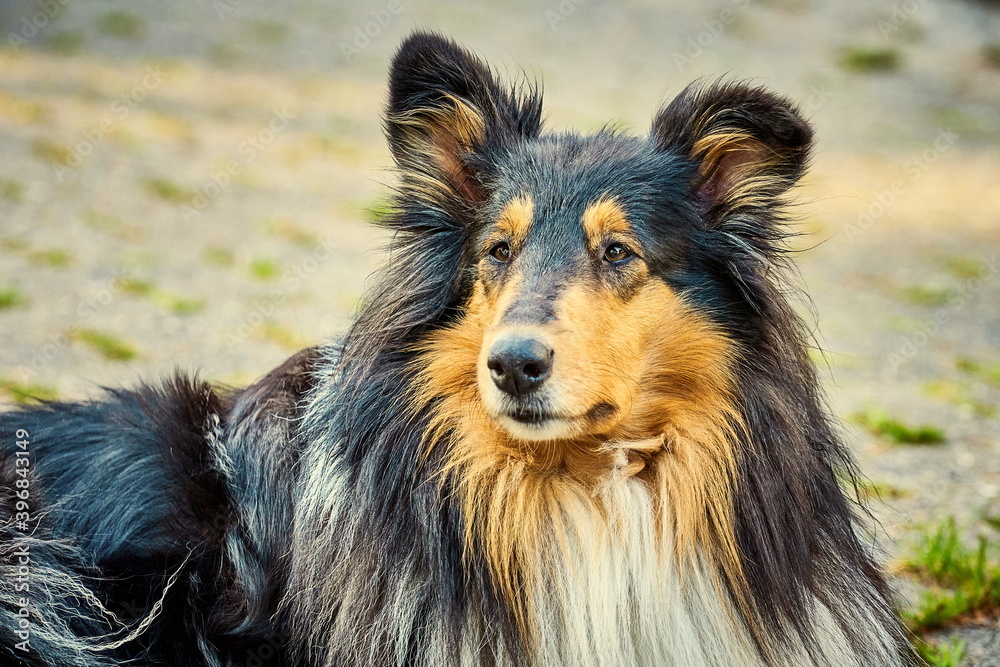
(446, 113)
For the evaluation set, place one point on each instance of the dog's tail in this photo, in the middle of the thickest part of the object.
(107, 509)
(150, 522)
(48, 613)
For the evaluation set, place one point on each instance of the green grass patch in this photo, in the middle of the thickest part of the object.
(13, 243)
(167, 190)
(121, 24)
(289, 231)
(50, 151)
(819, 357)
(379, 211)
(136, 286)
(184, 306)
(963, 580)
(109, 346)
(11, 297)
(961, 394)
(338, 146)
(12, 191)
(24, 392)
(218, 256)
(65, 43)
(287, 339)
(987, 372)
(141, 259)
(904, 324)
(225, 55)
(924, 295)
(54, 257)
(883, 425)
(942, 654)
(111, 225)
(175, 304)
(869, 490)
(964, 267)
(350, 300)
(178, 305)
(264, 269)
(991, 53)
(268, 32)
(868, 59)
(961, 122)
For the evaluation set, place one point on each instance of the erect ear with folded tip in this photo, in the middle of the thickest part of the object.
(749, 145)
(446, 112)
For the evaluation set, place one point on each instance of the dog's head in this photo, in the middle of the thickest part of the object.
(605, 283)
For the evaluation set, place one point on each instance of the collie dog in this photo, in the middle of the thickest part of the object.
(574, 425)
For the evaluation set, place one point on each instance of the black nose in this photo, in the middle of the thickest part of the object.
(519, 365)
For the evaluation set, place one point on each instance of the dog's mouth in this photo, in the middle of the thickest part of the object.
(529, 416)
(532, 420)
(535, 425)
(539, 422)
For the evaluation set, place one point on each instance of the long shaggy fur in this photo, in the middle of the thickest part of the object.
(366, 503)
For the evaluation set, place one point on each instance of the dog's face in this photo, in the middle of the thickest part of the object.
(597, 295)
(570, 307)
(566, 306)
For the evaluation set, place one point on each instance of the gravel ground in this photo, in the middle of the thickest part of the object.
(191, 181)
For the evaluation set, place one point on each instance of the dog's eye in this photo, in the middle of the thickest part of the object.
(616, 252)
(501, 252)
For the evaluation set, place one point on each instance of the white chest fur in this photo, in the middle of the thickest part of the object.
(612, 596)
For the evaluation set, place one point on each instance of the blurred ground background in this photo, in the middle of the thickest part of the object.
(187, 185)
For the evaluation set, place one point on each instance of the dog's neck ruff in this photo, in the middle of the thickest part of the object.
(596, 577)
(610, 590)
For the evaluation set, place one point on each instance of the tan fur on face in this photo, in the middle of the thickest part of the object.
(515, 220)
(605, 220)
(667, 371)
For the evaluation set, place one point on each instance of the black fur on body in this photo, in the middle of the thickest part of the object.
(305, 521)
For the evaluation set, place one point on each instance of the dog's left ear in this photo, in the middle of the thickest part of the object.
(749, 145)
(446, 113)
